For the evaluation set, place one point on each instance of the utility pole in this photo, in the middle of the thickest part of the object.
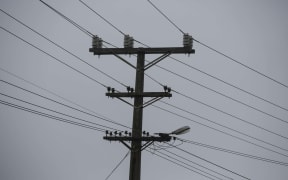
(136, 137)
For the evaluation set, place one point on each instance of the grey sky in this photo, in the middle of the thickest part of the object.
(253, 32)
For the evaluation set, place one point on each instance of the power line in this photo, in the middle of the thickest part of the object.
(223, 132)
(213, 49)
(229, 84)
(210, 162)
(242, 64)
(50, 92)
(57, 112)
(70, 107)
(102, 17)
(166, 17)
(98, 82)
(198, 169)
(62, 48)
(228, 127)
(69, 20)
(196, 163)
(121, 161)
(234, 152)
(50, 116)
(226, 96)
(178, 164)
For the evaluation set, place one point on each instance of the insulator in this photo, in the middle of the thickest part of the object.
(128, 41)
(126, 132)
(111, 133)
(132, 90)
(128, 88)
(144, 132)
(147, 133)
(120, 134)
(107, 132)
(108, 89)
(115, 132)
(187, 40)
(165, 88)
(96, 42)
(113, 90)
(130, 134)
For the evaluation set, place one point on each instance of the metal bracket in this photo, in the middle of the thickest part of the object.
(157, 60)
(124, 60)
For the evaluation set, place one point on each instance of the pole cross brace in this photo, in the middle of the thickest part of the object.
(157, 60)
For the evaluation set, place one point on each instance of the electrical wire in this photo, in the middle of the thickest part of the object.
(197, 169)
(206, 119)
(70, 107)
(223, 132)
(210, 162)
(117, 165)
(52, 93)
(102, 17)
(226, 96)
(54, 111)
(179, 164)
(98, 82)
(62, 48)
(166, 17)
(242, 64)
(69, 20)
(194, 163)
(213, 49)
(229, 84)
(234, 152)
(50, 116)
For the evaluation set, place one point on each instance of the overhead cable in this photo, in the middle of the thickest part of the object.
(233, 152)
(213, 49)
(98, 82)
(53, 93)
(62, 48)
(67, 19)
(57, 102)
(210, 162)
(179, 164)
(50, 116)
(121, 161)
(247, 122)
(195, 163)
(223, 132)
(54, 111)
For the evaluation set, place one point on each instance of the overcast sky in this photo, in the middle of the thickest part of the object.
(34, 147)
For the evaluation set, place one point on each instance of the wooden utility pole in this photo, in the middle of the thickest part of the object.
(136, 139)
